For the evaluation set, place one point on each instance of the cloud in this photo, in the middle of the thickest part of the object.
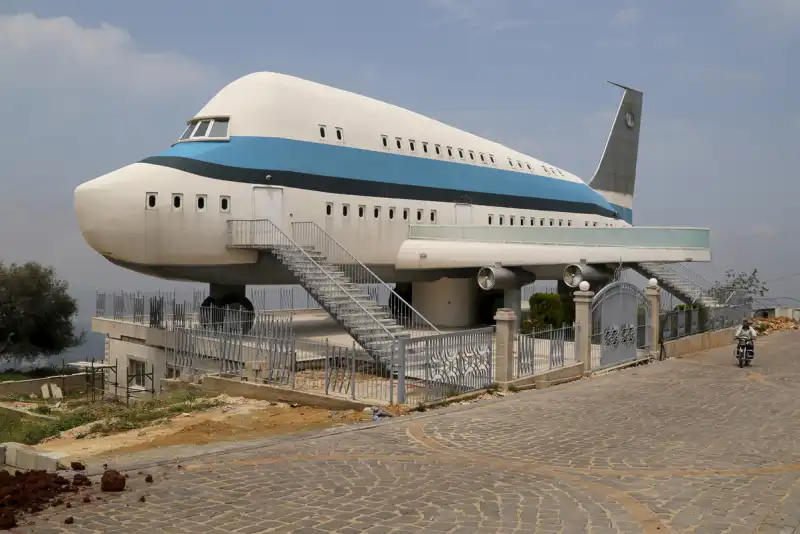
(627, 16)
(47, 52)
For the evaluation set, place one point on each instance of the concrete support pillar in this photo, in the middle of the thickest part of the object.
(583, 320)
(448, 302)
(505, 330)
(653, 294)
(512, 300)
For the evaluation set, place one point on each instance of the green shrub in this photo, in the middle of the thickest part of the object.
(546, 310)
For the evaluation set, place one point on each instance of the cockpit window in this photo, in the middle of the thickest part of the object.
(188, 131)
(219, 128)
(206, 129)
(202, 129)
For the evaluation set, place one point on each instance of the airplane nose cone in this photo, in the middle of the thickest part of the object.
(110, 215)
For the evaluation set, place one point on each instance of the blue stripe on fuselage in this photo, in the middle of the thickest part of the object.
(348, 162)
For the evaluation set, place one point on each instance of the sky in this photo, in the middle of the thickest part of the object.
(90, 86)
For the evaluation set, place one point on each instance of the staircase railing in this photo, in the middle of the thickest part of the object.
(264, 233)
(311, 234)
(703, 285)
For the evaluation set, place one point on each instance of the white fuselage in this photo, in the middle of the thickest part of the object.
(268, 159)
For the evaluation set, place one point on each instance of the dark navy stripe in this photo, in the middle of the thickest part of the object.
(358, 187)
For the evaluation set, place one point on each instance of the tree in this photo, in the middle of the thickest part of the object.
(739, 287)
(35, 312)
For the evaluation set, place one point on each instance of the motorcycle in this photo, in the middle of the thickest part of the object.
(744, 351)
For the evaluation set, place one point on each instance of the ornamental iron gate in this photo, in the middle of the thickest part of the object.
(620, 324)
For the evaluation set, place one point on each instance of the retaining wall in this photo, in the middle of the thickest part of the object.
(67, 383)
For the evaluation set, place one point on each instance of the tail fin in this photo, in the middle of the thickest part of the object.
(615, 176)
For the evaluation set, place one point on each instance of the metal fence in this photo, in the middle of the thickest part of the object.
(545, 349)
(689, 321)
(160, 308)
(409, 371)
(439, 366)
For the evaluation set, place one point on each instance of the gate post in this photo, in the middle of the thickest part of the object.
(506, 329)
(583, 320)
(653, 294)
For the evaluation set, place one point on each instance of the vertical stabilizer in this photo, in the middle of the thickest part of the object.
(615, 176)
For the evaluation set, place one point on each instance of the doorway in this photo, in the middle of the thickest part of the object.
(463, 214)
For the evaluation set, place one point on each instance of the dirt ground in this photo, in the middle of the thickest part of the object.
(238, 419)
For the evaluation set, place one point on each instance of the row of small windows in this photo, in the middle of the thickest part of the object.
(323, 132)
(439, 151)
(376, 212)
(206, 129)
(531, 221)
(484, 158)
(200, 203)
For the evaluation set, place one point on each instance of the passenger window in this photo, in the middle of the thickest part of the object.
(522, 220)
(569, 223)
(405, 214)
(219, 128)
(385, 141)
(177, 201)
(425, 147)
(483, 159)
(510, 163)
(202, 128)
(398, 142)
(529, 166)
(345, 209)
(594, 223)
(200, 202)
(533, 221)
(419, 215)
(511, 220)
(490, 218)
(519, 164)
(376, 211)
(438, 150)
(361, 210)
(433, 216)
(225, 204)
(411, 145)
(391, 213)
(460, 153)
(541, 222)
(502, 217)
(450, 151)
(491, 158)
(560, 222)
(552, 222)
(151, 200)
(329, 209)
(322, 131)
(339, 134)
(471, 155)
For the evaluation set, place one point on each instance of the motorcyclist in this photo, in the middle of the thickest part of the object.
(748, 332)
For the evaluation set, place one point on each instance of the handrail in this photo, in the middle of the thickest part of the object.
(703, 284)
(231, 224)
(309, 229)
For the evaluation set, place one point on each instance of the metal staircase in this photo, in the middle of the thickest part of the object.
(683, 283)
(336, 280)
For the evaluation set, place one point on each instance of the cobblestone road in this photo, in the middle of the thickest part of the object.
(690, 445)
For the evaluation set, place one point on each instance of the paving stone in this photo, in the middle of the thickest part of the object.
(689, 445)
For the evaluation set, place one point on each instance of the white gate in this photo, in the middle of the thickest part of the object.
(620, 324)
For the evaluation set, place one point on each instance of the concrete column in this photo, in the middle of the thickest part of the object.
(506, 329)
(653, 294)
(512, 299)
(583, 320)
